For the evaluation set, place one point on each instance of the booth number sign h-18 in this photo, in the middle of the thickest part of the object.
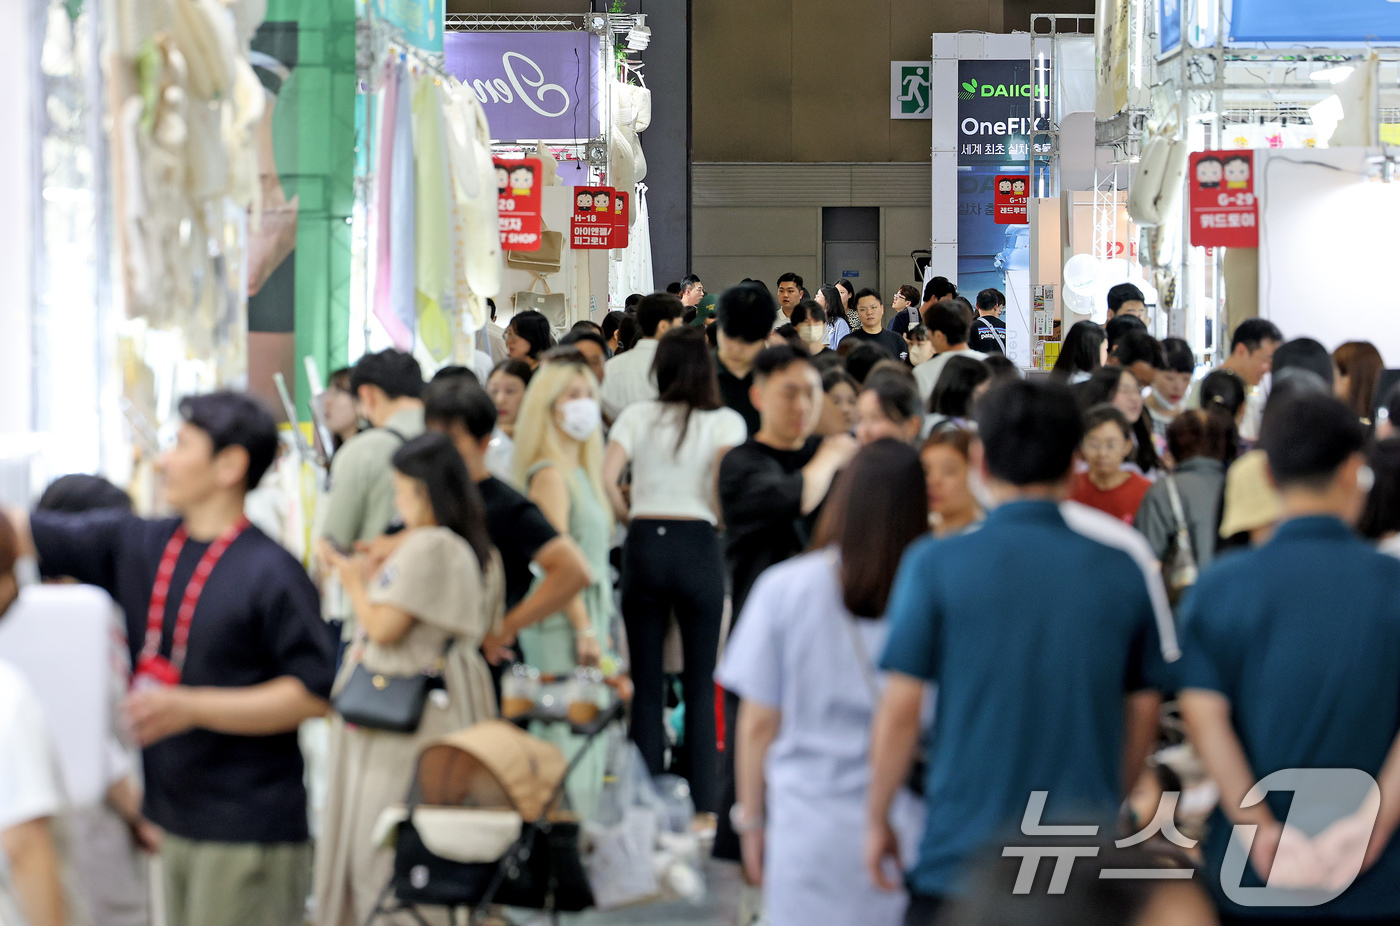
(910, 90)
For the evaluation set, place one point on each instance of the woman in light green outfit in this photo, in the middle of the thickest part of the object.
(559, 462)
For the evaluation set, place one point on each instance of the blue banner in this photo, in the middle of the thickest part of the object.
(1313, 22)
(1168, 27)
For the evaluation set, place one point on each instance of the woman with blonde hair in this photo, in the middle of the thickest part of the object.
(559, 464)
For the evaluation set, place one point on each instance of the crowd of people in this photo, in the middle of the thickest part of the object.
(929, 587)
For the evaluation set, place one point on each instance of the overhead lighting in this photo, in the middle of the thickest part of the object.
(639, 36)
(1334, 75)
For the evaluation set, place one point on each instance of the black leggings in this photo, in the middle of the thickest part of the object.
(675, 566)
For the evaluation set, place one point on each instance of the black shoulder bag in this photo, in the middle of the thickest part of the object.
(390, 702)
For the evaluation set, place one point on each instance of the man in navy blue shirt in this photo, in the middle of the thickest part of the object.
(1291, 660)
(229, 656)
(1046, 680)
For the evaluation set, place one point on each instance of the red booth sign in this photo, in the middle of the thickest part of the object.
(1224, 207)
(518, 203)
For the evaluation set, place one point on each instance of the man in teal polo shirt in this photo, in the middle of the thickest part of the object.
(1047, 681)
(1291, 660)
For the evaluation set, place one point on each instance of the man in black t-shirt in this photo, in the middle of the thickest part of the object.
(744, 319)
(770, 488)
(988, 330)
(458, 407)
(871, 309)
(230, 655)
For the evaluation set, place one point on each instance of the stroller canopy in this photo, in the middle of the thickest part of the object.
(491, 764)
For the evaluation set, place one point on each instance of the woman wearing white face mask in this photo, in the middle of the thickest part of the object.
(920, 345)
(810, 320)
(559, 462)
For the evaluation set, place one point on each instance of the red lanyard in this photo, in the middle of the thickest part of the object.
(160, 593)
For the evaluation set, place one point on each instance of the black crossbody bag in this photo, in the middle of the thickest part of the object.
(390, 702)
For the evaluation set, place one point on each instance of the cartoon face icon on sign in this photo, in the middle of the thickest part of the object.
(1209, 172)
(1004, 187)
(583, 202)
(601, 202)
(1018, 188)
(502, 180)
(522, 179)
(1236, 173)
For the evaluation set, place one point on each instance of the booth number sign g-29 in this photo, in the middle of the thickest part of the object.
(910, 86)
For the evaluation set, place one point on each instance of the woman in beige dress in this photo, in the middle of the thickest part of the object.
(440, 590)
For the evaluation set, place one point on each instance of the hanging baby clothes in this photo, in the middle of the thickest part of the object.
(384, 211)
(436, 292)
(403, 292)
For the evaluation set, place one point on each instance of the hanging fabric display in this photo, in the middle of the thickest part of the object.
(403, 292)
(384, 211)
(436, 288)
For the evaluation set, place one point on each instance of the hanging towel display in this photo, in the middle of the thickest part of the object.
(436, 290)
(403, 291)
(384, 211)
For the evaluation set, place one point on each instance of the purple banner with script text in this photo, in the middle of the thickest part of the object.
(533, 85)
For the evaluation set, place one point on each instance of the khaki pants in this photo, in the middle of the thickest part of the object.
(235, 883)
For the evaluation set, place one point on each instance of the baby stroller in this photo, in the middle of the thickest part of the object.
(481, 826)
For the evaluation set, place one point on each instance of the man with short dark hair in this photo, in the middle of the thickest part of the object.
(692, 291)
(937, 289)
(1073, 675)
(1289, 661)
(988, 330)
(949, 324)
(790, 291)
(1141, 354)
(589, 342)
(1118, 328)
(360, 506)
(1252, 358)
(1127, 299)
(460, 408)
(628, 376)
(744, 321)
(906, 306)
(770, 489)
(871, 310)
(230, 656)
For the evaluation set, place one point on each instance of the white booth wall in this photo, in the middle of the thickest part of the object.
(1329, 248)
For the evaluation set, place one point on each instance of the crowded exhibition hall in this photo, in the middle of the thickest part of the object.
(586, 463)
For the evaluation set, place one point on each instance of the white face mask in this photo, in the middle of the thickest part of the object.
(581, 418)
(1162, 401)
(812, 334)
(918, 353)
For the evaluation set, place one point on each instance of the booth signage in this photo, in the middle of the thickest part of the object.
(1010, 199)
(532, 85)
(1224, 208)
(1309, 22)
(592, 226)
(622, 209)
(910, 86)
(420, 21)
(1001, 103)
(518, 202)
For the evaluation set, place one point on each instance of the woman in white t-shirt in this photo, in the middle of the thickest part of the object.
(671, 561)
